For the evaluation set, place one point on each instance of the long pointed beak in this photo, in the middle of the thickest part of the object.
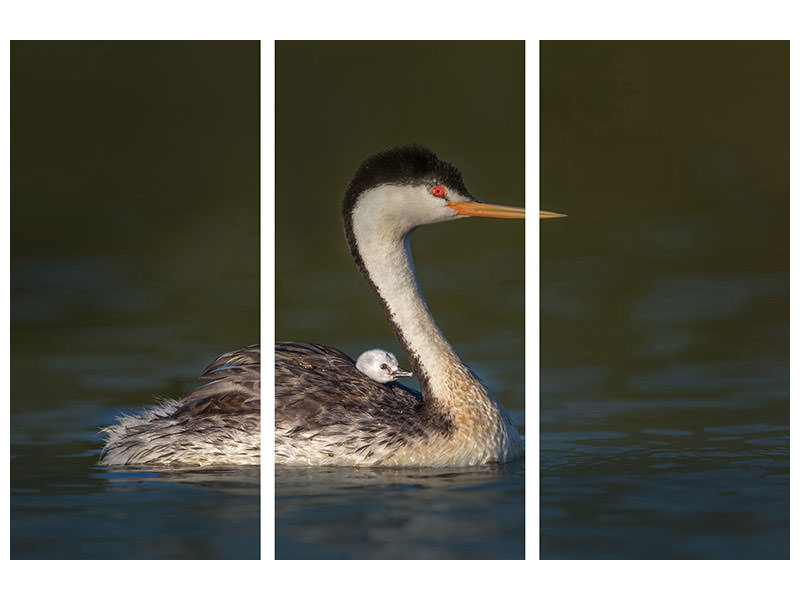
(401, 373)
(481, 209)
(546, 214)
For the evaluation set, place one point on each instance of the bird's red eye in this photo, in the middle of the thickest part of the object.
(385, 367)
(437, 191)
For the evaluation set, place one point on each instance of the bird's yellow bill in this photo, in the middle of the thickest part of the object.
(546, 214)
(481, 209)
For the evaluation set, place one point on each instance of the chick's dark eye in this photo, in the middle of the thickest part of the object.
(384, 366)
(437, 191)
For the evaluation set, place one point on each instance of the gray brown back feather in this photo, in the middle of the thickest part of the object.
(320, 395)
(218, 423)
(236, 386)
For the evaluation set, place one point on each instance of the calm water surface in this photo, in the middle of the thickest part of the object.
(692, 462)
(71, 377)
(338, 513)
(127, 157)
(665, 301)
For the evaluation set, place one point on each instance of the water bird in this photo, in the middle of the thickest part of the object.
(217, 423)
(380, 365)
(326, 410)
(329, 413)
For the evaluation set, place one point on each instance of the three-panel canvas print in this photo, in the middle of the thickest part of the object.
(611, 271)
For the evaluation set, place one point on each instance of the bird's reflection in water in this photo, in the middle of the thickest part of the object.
(391, 513)
(236, 480)
(302, 481)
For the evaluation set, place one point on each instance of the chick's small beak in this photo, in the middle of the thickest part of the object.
(482, 209)
(400, 373)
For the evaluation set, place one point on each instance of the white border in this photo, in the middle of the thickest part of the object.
(532, 300)
(267, 295)
(147, 19)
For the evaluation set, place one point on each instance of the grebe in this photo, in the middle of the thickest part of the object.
(380, 365)
(218, 423)
(326, 411)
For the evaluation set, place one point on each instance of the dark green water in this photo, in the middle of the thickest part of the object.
(665, 300)
(337, 103)
(134, 263)
(469, 513)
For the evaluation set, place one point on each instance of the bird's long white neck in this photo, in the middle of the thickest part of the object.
(382, 244)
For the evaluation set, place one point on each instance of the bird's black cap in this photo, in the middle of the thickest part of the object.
(411, 164)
